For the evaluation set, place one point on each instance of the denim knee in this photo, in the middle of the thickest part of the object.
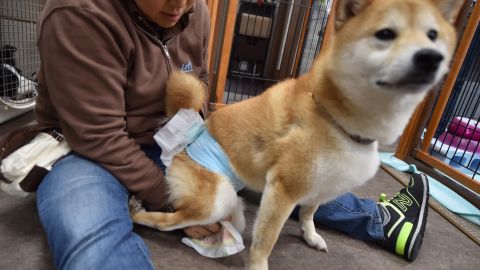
(84, 211)
(357, 217)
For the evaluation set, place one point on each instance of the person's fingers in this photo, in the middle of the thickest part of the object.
(193, 232)
(213, 228)
(202, 231)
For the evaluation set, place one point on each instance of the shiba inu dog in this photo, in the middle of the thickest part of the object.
(308, 140)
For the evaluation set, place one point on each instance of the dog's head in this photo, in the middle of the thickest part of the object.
(401, 46)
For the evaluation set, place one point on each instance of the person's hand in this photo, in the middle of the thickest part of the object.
(199, 232)
(202, 231)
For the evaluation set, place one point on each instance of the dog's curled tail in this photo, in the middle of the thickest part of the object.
(184, 91)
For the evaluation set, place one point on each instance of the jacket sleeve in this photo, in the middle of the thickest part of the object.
(85, 66)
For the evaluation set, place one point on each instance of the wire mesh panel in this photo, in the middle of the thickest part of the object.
(268, 36)
(457, 138)
(18, 54)
(316, 30)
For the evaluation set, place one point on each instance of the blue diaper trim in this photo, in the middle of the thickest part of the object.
(206, 151)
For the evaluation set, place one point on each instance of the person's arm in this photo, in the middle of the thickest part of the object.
(86, 69)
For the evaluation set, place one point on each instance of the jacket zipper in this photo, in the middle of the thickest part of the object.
(165, 48)
(162, 46)
(167, 54)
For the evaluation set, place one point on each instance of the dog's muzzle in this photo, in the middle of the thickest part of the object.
(425, 64)
(427, 60)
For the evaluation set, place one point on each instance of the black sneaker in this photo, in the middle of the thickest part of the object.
(405, 216)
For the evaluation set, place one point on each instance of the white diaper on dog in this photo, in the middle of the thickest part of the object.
(175, 135)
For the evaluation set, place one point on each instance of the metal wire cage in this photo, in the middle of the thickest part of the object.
(266, 40)
(457, 138)
(19, 59)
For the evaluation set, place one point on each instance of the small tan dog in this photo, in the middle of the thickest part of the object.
(306, 141)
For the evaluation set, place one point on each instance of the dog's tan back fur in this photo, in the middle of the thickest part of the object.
(294, 142)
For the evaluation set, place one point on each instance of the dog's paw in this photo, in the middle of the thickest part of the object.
(259, 265)
(316, 241)
(144, 218)
(136, 218)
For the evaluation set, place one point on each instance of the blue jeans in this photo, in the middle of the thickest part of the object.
(84, 212)
(358, 218)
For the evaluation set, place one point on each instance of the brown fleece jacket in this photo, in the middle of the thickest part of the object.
(102, 81)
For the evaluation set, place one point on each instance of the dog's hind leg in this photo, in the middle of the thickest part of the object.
(308, 227)
(238, 217)
(164, 221)
(275, 207)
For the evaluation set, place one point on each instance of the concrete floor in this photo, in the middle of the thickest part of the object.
(23, 245)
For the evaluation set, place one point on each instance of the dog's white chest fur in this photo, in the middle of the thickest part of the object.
(336, 172)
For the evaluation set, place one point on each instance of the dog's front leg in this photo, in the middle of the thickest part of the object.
(308, 227)
(275, 207)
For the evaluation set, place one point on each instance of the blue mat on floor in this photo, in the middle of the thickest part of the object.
(447, 197)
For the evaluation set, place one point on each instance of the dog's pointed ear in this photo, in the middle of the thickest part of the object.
(346, 9)
(449, 8)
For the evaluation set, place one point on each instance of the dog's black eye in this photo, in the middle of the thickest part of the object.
(386, 34)
(432, 35)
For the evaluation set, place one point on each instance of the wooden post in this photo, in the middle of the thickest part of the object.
(448, 170)
(298, 53)
(330, 28)
(213, 8)
(452, 76)
(226, 50)
(406, 143)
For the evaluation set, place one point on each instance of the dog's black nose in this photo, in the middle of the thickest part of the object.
(427, 60)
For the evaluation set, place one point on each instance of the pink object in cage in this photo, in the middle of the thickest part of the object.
(465, 127)
(459, 142)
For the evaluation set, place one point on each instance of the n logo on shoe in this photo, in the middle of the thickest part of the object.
(402, 201)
